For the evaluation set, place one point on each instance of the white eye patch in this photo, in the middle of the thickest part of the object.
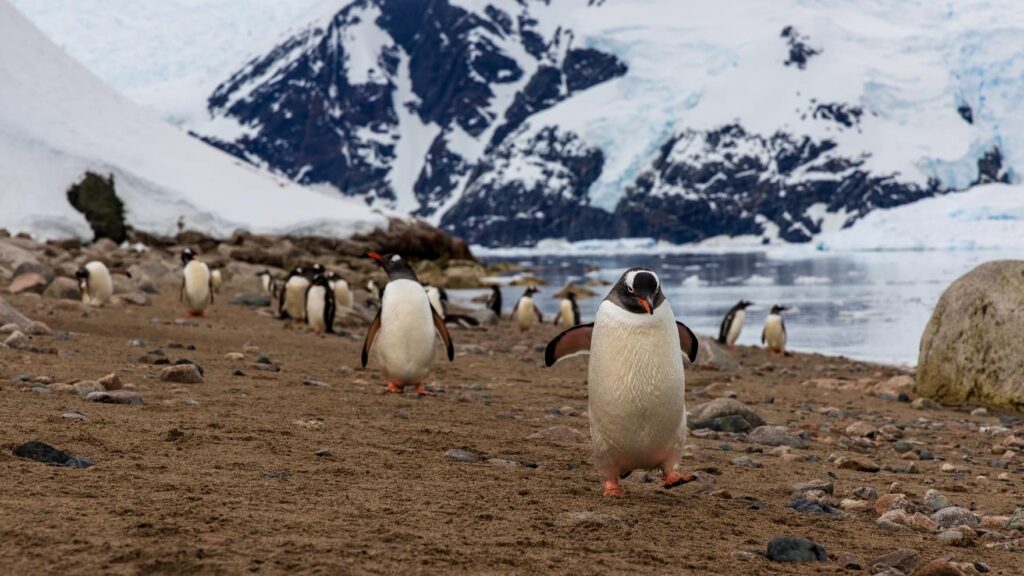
(395, 258)
(631, 278)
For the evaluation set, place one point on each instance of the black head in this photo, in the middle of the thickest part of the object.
(571, 296)
(744, 304)
(82, 273)
(313, 270)
(297, 271)
(331, 275)
(530, 291)
(778, 309)
(495, 290)
(187, 255)
(320, 280)
(638, 290)
(397, 268)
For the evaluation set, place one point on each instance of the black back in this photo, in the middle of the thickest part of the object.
(494, 302)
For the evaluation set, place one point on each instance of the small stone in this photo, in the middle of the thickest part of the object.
(111, 382)
(16, 340)
(744, 556)
(311, 424)
(75, 416)
(42, 452)
(955, 516)
(845, 463)
(725, 415)
(979, 412)
(87, 387)
(1016, 522)
(99, 396)
(865, 492)
(903, 560)
(403, 414)
(854, 505)
(948, 467)
(895, 488)
(37, 328)
(559, 435)
(794, 549)
(746, 462)
(925, 404)
(459, 455)
(803, 487)
(323, 453)
(848, 561)
(935, 501)
(890, 502)
(182, 374)
(136, 343)
(861, 429)
(234, 356)
(775, 436)
(922, 522)
(503, 464)
(591, 519)
(994, 522)
(951, 537)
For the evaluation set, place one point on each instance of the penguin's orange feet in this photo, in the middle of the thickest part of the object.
(195, 313)
(674, 478)
(394, 387)
(422, 390)
(612, 488)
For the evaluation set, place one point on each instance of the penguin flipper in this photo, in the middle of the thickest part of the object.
(371, 335)
(443, 331)
(723, 332)
(572, 342)
(687, 341)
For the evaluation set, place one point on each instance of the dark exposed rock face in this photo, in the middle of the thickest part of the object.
(799, 50)
(97, 200)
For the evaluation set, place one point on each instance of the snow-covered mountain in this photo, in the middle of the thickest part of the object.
(58, 122)
(512, 121)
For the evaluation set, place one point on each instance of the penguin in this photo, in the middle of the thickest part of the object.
(732, 324)
(568, 312)
(196, 284)
(774, 333)
(95, 283)
(437, 297)
(343, 297)
(268, 283)
(292, 299)
(403, 332)
(494, 301)
(216, 280)
(320, 305)
(373, 289)
(525, 312)
(636, 384)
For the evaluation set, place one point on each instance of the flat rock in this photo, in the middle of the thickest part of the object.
(37, 328)
(955, 516)
(111, 382)
(63, 289)
(711, 354)
(725, 415)
(10, 315)
(591, 519)
(460, 455)
(794, 549)
(16, 340)
(252, 299)
(903, 559)
(844, 463)
(889, 502)
(559, 435)
(28, 282)
(86, 387)
(822, 485)
(776, 436)
(182, 374)
(938, 567)
(42, 452)
(1016, 522)
(935, 501)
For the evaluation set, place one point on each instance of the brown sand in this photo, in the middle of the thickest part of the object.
(184, 489)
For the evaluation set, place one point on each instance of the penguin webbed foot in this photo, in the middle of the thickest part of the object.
(612, 489)
(422, 390)
(674, 478)
(394, 388)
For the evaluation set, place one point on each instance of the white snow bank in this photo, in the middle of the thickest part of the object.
(58, 121)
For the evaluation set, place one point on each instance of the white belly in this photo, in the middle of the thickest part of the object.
(100, 284)
(566, 319)
(405, 343)
(197, 285)
(316, 305)
(216, 280)
(736, 327)
(525, 314)
(295, 297)
(774, 335)
(342, 294)
(637, 389)
(265, 282)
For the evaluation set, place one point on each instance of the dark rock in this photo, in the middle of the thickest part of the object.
(802, 505)
(794, 549)
(251, 299)
(725, 415)
(776, 436)
(42, 452)
(94, 196)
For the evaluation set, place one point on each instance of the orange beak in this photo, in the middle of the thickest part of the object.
(646, 304)
(376, 257)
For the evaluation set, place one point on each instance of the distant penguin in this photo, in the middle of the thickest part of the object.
(292, 300)
(343, 297)
(320, 305)
(732, 324)
(403, 333)
(373, 288)
(494, 301)
(95, 283)
(268, 283)
(437, 297)
(525, 313)
(636, 384)
(774, 333)
(568, 312)
(216, 280)
(196, 284)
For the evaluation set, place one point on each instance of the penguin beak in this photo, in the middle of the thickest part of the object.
(377, 257)
(646, 303)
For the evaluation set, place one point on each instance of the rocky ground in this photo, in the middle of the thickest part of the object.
(240, 443)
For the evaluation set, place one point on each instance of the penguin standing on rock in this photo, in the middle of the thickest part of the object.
(525, 312)
(292, 299)
(636, 384)
(320, 305)
(95, 283)
(196, 285)
(568, 312)
(342, 292)
(732, 324)
(403, 332)
(774, 333)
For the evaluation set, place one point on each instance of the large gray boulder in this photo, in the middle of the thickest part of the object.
(973, 347)
(10, 315)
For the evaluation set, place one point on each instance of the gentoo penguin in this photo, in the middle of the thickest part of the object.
(373, 289)
(320, 305)
(196, 284)
(402, 333)
(525, 312)
(216, 280)
(268, 283)
(732, 324)
(95, 283)
(342, 293)
(568, 312)
(292, 299)
(636, 385)
(494, 301)
(774, 333)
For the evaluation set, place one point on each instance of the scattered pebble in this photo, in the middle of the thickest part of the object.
(794, 549)
(182, 374)
(42, 452)
(459, 455)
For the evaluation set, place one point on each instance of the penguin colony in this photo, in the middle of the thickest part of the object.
(636, 381)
